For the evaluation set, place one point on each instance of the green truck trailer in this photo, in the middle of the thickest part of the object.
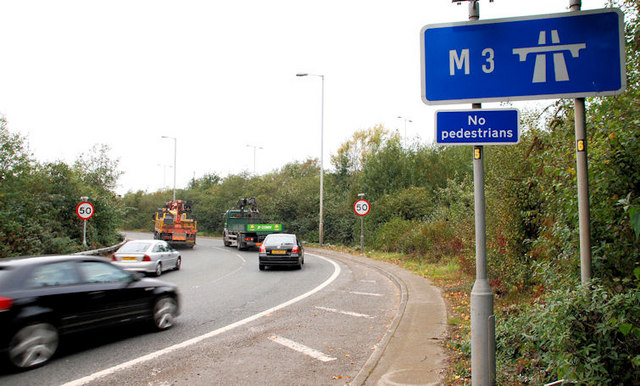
(242, 226)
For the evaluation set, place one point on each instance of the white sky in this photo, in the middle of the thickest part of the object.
(219, 76)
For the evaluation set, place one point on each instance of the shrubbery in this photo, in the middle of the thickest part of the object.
(588, 335)
(38, 201)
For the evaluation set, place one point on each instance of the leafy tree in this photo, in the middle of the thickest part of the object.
(38, 201)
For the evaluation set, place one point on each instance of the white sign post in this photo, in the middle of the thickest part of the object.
(85, 210)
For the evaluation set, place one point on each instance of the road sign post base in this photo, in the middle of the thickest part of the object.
(482, 334)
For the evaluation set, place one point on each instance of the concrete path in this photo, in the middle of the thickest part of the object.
(411, 353)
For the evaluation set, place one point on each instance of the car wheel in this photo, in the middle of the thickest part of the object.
(158, 271)
(261, 267)
(33, 345)
(165, 311)
(178, 263)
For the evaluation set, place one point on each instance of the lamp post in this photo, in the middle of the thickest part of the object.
(164, 174)
(254, 156)
(320, 226)
(175, 151)
(405, 125)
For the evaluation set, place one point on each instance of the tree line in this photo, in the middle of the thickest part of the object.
(38, 200)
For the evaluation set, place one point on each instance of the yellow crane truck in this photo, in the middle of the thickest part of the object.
(175, 224)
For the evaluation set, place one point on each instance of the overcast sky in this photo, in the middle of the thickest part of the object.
(219, 76)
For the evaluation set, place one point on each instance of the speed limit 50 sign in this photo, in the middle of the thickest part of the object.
(85, 210)
(362, 207)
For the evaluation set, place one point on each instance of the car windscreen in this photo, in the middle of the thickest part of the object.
(279, 240)
(134, 247)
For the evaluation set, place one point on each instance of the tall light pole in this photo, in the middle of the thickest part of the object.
(175, 152)
(405, 125)
(164, 174)
(254, 156)
(320, 226)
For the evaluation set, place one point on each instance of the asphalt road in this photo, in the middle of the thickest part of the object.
(239, 325)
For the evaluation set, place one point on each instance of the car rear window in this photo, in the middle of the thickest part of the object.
(277, 240)
(134, 247)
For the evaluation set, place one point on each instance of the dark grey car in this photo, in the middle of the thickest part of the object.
(281, 249)
(45, 298)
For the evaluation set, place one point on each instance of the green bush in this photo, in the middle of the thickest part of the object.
(588, 336)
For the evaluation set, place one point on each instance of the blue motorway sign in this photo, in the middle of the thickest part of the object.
(477, 127)
(568, 55)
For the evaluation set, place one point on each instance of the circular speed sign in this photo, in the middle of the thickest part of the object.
(362, 207)
(85, 210)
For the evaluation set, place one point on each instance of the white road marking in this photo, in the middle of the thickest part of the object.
(368, 281)
(241, 257)
(112, 370)
(365, 293)
(315, 354)
(345, 312)
(226, 249)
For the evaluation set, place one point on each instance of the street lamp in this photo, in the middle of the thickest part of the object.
(164, 174)
(405, 125)
(254, 156)
(320, 226)
(175, 151)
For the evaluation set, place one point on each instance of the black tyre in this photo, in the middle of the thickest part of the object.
(178, 263)
(261, 267)
(33, 345)
(165, 310)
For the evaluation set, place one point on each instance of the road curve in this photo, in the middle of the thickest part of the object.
(240, 325)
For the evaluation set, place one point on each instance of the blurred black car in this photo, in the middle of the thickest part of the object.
(281, 249)
(44, 298)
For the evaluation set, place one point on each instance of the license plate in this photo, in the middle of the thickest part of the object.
(278, 252)
(129, 258)
(179, 236)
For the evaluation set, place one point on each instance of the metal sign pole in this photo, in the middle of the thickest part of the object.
(361, 196)
(84, 234)
(483, 364)
(362, 235)
(582, 170)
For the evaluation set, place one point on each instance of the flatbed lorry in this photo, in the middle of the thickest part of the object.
(242, 226)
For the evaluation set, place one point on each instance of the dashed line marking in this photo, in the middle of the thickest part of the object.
(315, 354)
(365, 293)
(345, 312)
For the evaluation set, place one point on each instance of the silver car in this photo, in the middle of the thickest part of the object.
(149, 256)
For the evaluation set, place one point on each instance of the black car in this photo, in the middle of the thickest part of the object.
(281, 249)
(44, 298)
